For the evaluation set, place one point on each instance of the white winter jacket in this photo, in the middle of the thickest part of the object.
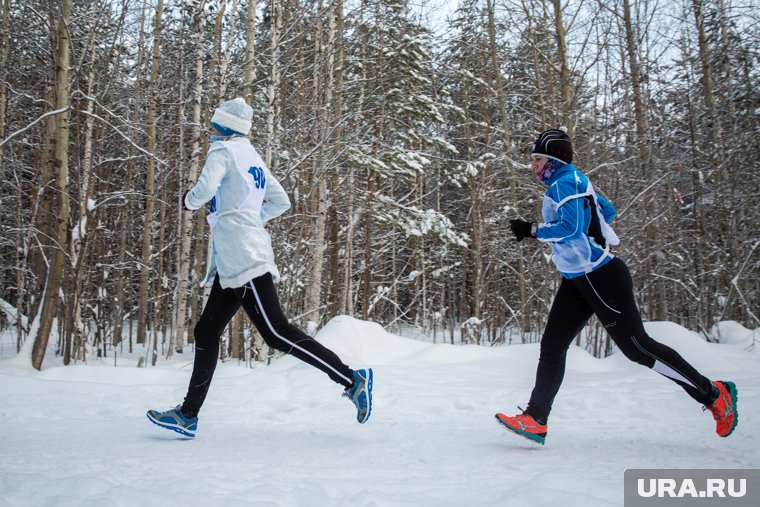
(244, 196)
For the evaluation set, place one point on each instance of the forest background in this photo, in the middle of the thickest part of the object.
(401, 132)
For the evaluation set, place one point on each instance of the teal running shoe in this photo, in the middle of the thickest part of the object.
(360, 393)
(173, 419)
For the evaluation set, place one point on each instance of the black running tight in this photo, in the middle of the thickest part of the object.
(607, 293)
(259, 300)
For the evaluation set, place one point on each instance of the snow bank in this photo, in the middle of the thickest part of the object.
(282, 435)
(734, 333)
(702, 355)
(364, 342)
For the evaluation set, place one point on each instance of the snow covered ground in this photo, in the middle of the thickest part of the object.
(281, 435)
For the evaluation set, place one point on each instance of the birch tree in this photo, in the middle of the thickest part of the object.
(150, 181)
(59, 164)
(186, 220)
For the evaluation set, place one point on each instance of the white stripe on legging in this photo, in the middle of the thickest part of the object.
(664, 368)
(667, 371)
(278, 335)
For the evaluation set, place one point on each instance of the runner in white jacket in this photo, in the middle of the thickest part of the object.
(244, 196)
(240, 208)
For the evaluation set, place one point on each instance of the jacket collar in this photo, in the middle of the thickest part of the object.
(559, 172)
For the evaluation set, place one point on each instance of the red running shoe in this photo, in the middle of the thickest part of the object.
(724, 408)
(524, 425)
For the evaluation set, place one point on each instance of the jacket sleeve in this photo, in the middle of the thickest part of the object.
(608, 210)
(569, 224)
(276, 200)
(208, 182)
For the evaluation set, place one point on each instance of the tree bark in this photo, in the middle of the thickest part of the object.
(274, 85)
(150, 180)
(645, 159)
(707, 80)
(187, 220)
(78, 236)
(225, 58)
(507, 140)
(120, 300)
(5, 48)
(566, 108)
(320, 204)
(60, 164)
(250, 51)
(336, 27)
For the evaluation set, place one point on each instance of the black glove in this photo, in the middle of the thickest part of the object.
(521, 229)
(184, 206)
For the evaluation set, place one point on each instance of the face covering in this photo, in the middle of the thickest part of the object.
(215, 138)
(550, 167)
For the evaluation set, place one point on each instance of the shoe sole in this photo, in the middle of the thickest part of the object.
(368, 391)
(536, 439)
(173, 427)
(733, 392)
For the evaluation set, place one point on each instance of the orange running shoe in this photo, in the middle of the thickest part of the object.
(524, 425)
(724, 408)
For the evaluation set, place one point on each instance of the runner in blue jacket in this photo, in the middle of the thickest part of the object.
(594, 281)
(243, 197)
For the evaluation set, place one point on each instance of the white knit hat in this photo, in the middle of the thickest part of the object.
(233, 117)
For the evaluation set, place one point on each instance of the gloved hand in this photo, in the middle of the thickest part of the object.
(522, 229)
(184, 206)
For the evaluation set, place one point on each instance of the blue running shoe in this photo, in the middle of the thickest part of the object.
(173, 419)
(361, 394)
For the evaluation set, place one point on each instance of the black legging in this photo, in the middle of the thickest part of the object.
(259, 300)
(608, 293)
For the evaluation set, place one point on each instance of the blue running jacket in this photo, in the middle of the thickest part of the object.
(576, 223)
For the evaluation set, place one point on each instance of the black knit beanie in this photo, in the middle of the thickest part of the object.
(554, 143)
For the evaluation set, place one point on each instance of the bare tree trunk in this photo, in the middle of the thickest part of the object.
(120, 299)
(45, 227)
(564, 72)
(225, 58)
(250, 48)
(536, 65)
(347, 293)
(320, 203)
(159, 291)
(707, 80)
(180, 256)
(5, 48)
(506, 137)
(336, 29)
(78, 236)
(21, 248)
(60, 163)
(644, 153)
(317, 248)
(186, 219)
(236, 336)
(725, 237)
(642, 127)
(216, 58)
(150, 180)
(274, 85)
(368, 235)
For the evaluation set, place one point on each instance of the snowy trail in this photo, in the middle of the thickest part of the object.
(281, 435)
